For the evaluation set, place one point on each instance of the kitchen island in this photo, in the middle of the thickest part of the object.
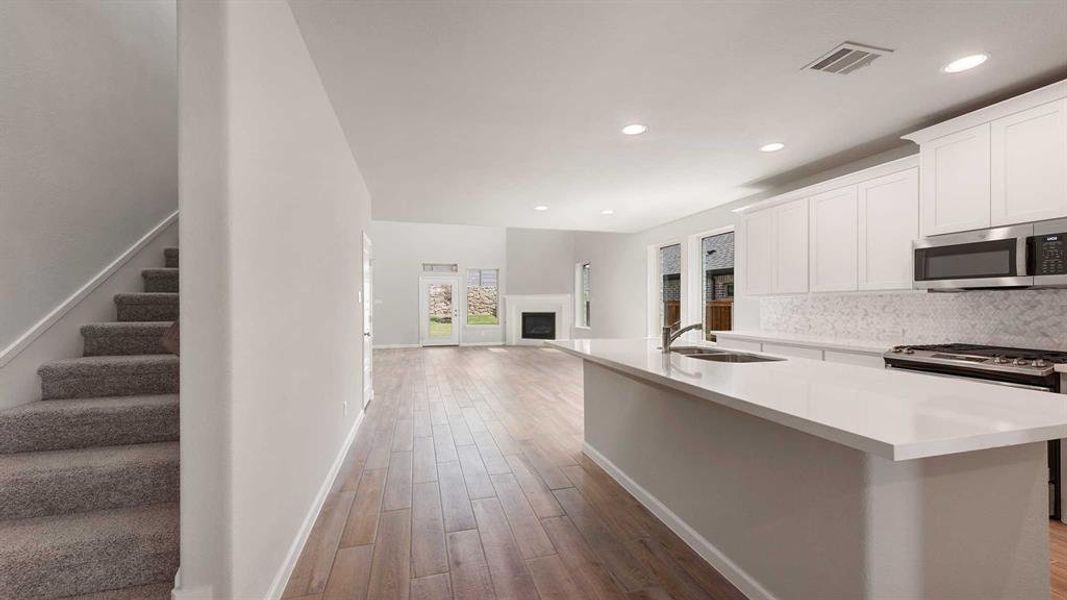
(807, 479)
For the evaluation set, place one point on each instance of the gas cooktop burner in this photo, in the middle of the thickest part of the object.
(980, 358)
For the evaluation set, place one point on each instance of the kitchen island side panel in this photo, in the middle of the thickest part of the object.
(785, 514)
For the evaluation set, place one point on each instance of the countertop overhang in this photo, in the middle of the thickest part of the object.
(894, 414)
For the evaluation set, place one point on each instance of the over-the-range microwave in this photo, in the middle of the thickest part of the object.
(1031, 255)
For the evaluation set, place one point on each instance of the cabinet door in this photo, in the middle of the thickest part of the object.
(1029, 165)
(833, 240)
(759, 252)
(791, 248)
(955, 182)
(888, 223)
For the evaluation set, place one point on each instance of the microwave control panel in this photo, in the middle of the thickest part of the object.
(1050, 257)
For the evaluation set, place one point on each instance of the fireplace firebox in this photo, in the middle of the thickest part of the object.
(539, 325)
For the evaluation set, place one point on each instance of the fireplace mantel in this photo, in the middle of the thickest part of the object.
(516, 304)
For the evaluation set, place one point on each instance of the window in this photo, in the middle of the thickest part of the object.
(670, 285)
(440, 268)
(581, 281)
(717, 282)
(483, 297)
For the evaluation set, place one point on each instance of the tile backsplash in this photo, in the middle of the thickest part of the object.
(1023, 318)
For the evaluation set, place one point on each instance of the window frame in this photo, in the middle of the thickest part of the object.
(654, 296)
(694, 309)
(466, 298)
(579, 308)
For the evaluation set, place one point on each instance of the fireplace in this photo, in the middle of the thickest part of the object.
(539, 325)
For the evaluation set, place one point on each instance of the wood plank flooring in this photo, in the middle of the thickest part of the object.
(467, 480)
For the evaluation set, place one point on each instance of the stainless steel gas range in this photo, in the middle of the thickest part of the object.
(1014, 367)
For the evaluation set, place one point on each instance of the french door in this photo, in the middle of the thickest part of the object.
(439, 311)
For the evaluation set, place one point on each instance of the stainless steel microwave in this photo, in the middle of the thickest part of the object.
(1005, 257)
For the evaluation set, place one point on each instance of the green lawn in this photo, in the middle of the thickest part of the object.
(440, 326)
(483, 320)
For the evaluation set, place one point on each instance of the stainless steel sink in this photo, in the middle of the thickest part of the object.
(717, 355)
(695, 350)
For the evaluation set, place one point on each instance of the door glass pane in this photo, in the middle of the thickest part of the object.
(440, 310)
(717, 274)
(670, 290)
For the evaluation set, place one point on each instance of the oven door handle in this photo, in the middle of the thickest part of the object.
(1039, 388)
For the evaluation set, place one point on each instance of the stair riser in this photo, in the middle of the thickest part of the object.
(124, 345)
(85, 429)
(112, 384)
(170, 257)
(161, 284)
(92, 572)
(147, 312)
(83, 490)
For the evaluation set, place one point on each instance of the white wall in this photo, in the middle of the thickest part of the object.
(400, 249)
(540, 261)
(273, 204)
(88, 150)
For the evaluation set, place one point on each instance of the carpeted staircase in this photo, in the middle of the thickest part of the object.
(89, 475)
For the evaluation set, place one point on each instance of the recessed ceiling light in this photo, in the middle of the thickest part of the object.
(541, 207)
(772, 147)
(967, 62)
(607, 211)
(635, 129)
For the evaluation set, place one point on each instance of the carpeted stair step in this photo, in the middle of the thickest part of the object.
(160, 280)
(87, 422)
(96, 376)
(170, 255)
(66, 555)
(37, 484)
(147, 306)
(154, 591)
(124, 338)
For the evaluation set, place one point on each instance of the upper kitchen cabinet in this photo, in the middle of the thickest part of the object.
(999, 165)
(776, 249)
(888, 217)
(955, 184)
(834, 240)
(759, 252)
(851, 233)
(1029, 165)
(791, 248)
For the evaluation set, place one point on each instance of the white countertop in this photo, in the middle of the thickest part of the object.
(845, 345)
(893, 414)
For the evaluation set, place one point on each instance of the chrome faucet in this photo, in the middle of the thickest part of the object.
(668, 337)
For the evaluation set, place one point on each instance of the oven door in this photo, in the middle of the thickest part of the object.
(988, 258)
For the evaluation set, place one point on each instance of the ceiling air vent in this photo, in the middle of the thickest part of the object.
(847, 58)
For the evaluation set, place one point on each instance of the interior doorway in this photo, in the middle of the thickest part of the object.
(368, 322)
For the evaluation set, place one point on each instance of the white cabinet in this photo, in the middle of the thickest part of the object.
(956, 181)
(758, 259)
(791, 248)
(1029, 165)
(888, 216)
(776, 250)
(834, 240)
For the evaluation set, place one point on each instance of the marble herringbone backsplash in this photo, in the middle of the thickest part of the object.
(1023, 318)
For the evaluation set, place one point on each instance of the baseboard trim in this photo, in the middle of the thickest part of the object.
(730, 570)
(28, 337)
(482, 344)
(277, 586)
(394, 346)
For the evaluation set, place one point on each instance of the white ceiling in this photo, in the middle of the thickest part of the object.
(476, 112)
